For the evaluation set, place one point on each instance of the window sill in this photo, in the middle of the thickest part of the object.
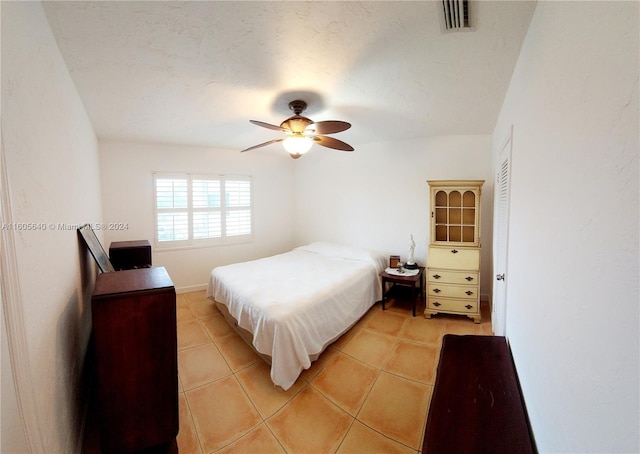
(203, 245)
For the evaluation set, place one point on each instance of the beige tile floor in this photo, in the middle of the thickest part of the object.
(368, 392)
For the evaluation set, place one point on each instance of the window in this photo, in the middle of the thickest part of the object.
(195, 210)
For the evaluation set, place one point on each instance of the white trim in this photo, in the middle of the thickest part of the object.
(191, 288)
(191, 242)
(14, 320)
(245, 239)
(500, 290)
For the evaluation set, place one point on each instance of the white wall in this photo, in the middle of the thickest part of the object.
(572, 276)
(127, 197)
(52, 171)
(377, 196)
(12, 436)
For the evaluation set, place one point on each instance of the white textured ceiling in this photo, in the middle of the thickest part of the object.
(196, 72)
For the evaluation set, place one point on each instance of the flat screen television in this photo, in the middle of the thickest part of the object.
(96, 249)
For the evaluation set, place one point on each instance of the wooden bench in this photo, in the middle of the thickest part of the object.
(477, 405)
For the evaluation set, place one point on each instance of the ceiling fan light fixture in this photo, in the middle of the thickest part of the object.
(297, 145)
(301, 132)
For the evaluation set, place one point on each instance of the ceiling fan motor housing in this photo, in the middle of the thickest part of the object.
(298, 106)
(296, 124)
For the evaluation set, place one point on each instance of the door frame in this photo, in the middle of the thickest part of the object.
(13, 320)
(501, 238)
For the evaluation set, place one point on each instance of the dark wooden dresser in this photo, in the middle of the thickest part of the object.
(135, 342)
(477, 405)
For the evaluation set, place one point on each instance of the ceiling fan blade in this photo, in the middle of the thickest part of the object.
(329, 127)
(269, 126)
(330, 142)
(262, 145)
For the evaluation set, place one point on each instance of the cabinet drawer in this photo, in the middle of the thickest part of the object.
(454, 258)
(452, 277)
(452, 291)
(435, 303)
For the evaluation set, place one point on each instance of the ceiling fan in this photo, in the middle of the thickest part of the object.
(302, 132)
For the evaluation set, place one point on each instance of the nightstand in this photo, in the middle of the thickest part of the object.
(415, 283)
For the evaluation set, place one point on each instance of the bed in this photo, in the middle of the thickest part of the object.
(293, 305)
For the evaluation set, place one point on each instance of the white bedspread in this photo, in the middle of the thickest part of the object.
(298, 302)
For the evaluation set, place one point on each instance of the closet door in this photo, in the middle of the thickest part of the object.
(501, 237)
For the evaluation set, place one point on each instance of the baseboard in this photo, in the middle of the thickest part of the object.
(191, 288)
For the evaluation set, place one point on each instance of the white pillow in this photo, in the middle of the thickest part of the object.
(344, 252)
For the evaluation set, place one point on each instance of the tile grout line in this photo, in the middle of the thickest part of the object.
(399, 336)
(193, 423)
(379, 372)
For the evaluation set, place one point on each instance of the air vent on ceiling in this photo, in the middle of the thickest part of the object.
(456, 14)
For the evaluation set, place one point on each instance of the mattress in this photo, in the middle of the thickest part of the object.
(296, 303)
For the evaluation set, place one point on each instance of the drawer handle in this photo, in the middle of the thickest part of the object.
(436, 290)
(436, 276)
(468, 306)
(436, 304)
(454, 251)
(469, 292)
(469, 278)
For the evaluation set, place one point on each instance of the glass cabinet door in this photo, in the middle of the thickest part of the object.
(455, 215)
